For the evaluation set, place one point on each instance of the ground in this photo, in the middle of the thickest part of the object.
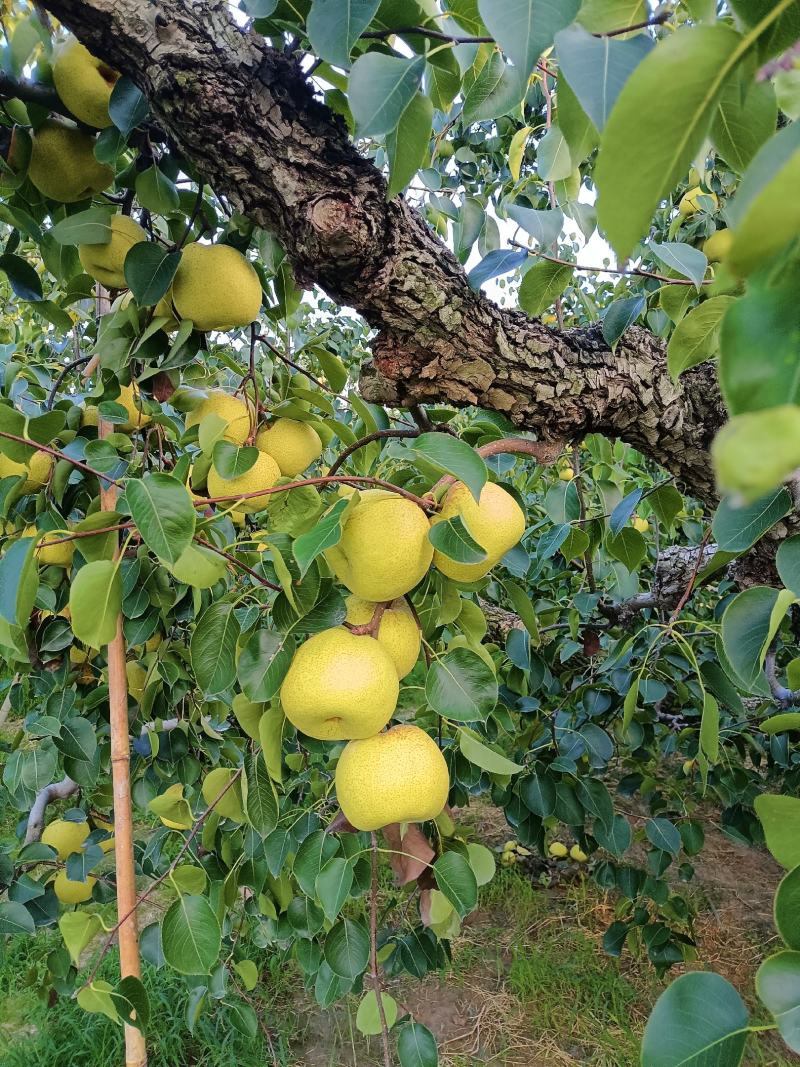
(530, 985)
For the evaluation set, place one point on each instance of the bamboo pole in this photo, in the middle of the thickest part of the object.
(128, 934)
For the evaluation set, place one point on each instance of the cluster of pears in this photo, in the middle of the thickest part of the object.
(67, 837)
(344, 686)
(286, 448)
(559, 851)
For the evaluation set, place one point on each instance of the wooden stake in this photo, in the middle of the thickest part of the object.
(128, 934)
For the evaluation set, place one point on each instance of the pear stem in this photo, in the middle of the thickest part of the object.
(373, 951)
(370, 629)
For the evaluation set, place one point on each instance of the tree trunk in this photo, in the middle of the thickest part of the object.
(245, 116)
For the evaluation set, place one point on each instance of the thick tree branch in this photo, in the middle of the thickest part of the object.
(245, 116)
(55, 791)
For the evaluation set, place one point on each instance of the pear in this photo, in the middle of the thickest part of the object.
(396, 776)
(62, 165)
(398, 631)
(558, 850)
(718, 245)
(90, 415)
(690, 201)
(83, 82)
(384, 550)
(105, 263)
(340, 686)
(65, 837)
(136, 418)
(69, 892)
(235, 413)
(36, 470)
(216, 287)
(576, 853)
(496, 522)
(293, 445)
(52, 555)
(262, 475)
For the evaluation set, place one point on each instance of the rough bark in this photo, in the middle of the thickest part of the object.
(245, 116)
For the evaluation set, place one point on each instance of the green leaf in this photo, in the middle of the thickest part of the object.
(664, 835)
(131, 1001)
(542, 285)
(334, 26)
(326, 533)
(263, 663)
(333, 885)
(473, 749)
(95, 601)
(746, 117)
(380, 89)
(629, 547)
(368, 1017)
(156, 192)
(19, 581)
(15, 918)
(687, 261)
(756, 451)
(149, 269)
(787, 561)
(461, 686)
(190, 935)
(494, 92)
(543, 226)
(260, 801)
(90, 227)
(407, 145)
(232, 461)
(22, 277)
(199, 567)
(524, 28)
(652, 136)
(700, 1020)
(615, 838)
(500, 261)
(347, 949)
(598, 67)
(270, 734)
(127, 106)
(620, 315)
(778, 989)
(482, 863)
(599, 16)
(779, 33)
(787, 909)
(213, 648)
(164, 514)
(709, 728)
(736, 529)
(578, 129)
(696, 338)
(312, 855)
(770, 222)
(538, 793)
(553, 157)
(453, 456)
(77, 929)
(629, 705)
(98, 997)
(456, 879)
(780, 817)
(453, 539)
(416, 1046)
(759, 363)
(781, 723)
(745, 626)
(524, 608)
(77, 739)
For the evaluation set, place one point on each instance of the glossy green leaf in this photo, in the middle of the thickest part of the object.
(368, 1016)
(787, 909)
(260, 801)
(407, 145)
(334, 26)
(416, 1046)
(746, 117)
(127, 106)
(778, 989)
(696, 338)
(149, 269)
(780, 817)
(756, 451)
(735, 529)
(213, 648)
(90, 227)
(456, 879)
(347, 949)
(473, 749)
(524, 28)
(164, 514)
(461, 686)
(381, 88)
(18, 581)
(190, 935)
(495, 91)
(95, 601)
(452, 538)
(263, 663)
(620, 315)
(700, 1020)
(453, 456)
(333, 885)
(598, 67)
(542, 285)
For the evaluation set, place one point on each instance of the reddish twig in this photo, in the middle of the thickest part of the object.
(346, 479)
(238, 563)
(60, 455)
(370, 629)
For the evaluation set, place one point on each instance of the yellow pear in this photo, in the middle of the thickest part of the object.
(105, 263)
(718, 245)
(230, 805)
(137, 419)
(37, 470)
(558, 850)
(566, 474)
(397, 632)
(83, 82)
(690, 201)
(90, 415)
(62, 165)
(396, 776)
(384, 550)
(81, 656)
(293, 445)
(340, 686)
(216, 287)
(69, 892)
(262, 475)
(576, 853)
(639, 524)
(496, 522)
(166, 308)
(52, 555)
(65, 837)
(233, 411)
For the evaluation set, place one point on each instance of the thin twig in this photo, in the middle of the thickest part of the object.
(60, 455)
(238, 563)
(377, 435)
(638, 271)
(61, 376)
(346, 479)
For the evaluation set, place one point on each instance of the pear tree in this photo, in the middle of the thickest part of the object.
(398, 413)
